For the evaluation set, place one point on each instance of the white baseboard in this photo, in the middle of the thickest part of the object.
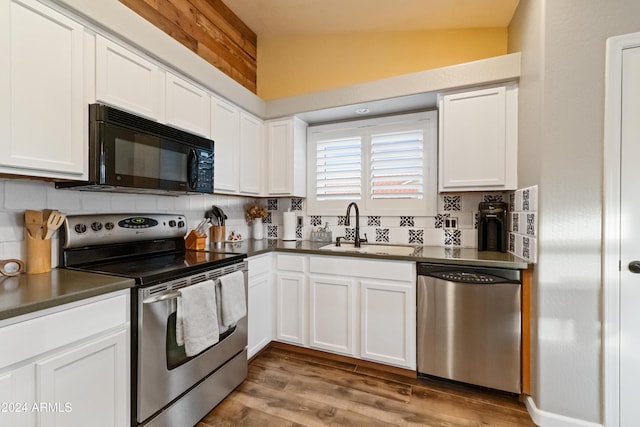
(549, 419)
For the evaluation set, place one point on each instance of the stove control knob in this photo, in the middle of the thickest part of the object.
(80, 228)
(180, 224)
(96, 226)
(109, 226)
(172, 223)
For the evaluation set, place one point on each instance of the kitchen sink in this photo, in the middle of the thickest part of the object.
(370, 249)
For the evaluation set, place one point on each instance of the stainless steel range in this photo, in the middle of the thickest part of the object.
(169, 388)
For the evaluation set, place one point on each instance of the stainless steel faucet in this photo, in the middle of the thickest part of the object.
(347, 222)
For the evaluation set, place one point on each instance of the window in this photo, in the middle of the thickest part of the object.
(387, 165)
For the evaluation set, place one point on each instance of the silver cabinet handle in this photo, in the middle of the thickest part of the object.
(163, 297)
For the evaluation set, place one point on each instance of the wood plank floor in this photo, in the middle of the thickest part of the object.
(287, 388)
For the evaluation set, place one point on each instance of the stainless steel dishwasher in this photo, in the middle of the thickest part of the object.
(469, 325)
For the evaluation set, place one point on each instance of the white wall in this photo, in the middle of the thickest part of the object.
(561, 115)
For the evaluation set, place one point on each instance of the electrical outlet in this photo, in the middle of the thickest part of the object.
(451, 223)
(300, 220)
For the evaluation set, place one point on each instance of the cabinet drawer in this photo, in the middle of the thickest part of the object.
(42, 334)
(291, 262)
(259, 265)
(361, 267)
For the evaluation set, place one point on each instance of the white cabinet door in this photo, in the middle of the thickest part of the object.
(251, 155)
(128, 81)
(87, 383)
(291, 307)
(42, 107)
(260, 309)
(478, 140)
(187, 106)
(225, 135)
(388, 323)
(286, 157)
(332, 314)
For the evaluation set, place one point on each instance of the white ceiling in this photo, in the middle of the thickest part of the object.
(289, 17)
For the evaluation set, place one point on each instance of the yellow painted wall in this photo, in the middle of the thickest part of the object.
(290, 65)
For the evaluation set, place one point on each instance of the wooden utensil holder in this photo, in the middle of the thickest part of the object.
(195, 241)
(38, 255)
(217, 234)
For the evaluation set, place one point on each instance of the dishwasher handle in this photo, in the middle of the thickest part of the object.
(468, 274)
(470, 277)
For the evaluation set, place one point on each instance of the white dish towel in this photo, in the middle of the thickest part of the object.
(197, 317)
(233, 301)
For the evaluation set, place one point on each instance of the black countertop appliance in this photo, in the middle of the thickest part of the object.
(492, 226)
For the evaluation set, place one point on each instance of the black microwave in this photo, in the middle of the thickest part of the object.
(128, 153)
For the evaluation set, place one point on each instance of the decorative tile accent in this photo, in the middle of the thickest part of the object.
(342, 220)
(272, 231)
(272, 204)
(416, 237)
(452, 237)
(452, 203)
(525, 200)
(299, 232)
(296, 204)
(316, 220)
(512, 201)
(440, 220)
(268, 219)
(373, 221)
(531, 224)
(476, 218)
(492, 198)
(512, 242)
(407, 221)
(382, 235)
(526, 254)
(350, 234)
(515, 226)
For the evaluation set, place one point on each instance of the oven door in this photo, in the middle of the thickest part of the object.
(164, 370)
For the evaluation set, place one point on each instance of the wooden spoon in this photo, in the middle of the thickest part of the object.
(54, 221)
(33, 221)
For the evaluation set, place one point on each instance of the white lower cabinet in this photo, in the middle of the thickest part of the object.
(359, 307)
(291, 298)
(387, 318)
(260, 309)
(332, 314)
(68, 368)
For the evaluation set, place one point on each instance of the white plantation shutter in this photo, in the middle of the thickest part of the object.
(397, 165)
(339, 169)
(386, 164)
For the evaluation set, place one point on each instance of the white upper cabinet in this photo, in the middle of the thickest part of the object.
(237, 136)
(286, 157)
(477, 143)
(187, 106)
(251, 176)
(128, 81)
(225, 133)
(42, 108)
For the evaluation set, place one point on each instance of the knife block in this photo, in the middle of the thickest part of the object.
(195, 241)
(38, 255)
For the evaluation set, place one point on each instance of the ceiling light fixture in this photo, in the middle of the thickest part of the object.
(362, 111)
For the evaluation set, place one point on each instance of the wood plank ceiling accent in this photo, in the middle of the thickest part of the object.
(208, 28)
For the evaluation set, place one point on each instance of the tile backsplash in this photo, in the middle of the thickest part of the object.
(404, 229)
(523, 223)
(454, 225)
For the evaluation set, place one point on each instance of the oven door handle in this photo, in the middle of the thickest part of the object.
(163, 297)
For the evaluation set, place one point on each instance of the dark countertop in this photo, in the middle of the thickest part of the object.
(27, 293)
(433, 254)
